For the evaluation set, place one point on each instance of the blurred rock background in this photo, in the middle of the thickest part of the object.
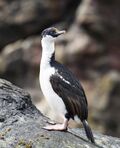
(90, 48)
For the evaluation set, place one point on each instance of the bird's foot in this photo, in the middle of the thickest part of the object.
(50, 122)
(56, 127)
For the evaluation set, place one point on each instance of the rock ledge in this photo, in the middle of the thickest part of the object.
(21, 125)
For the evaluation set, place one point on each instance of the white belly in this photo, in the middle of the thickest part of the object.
(52, 98)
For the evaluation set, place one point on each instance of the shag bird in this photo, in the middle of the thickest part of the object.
(60, 87)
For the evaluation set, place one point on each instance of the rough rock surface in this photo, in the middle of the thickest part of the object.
(21, 125)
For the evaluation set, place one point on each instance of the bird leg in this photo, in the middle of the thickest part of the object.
(57, 127)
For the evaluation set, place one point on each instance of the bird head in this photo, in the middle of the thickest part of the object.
(51, 33)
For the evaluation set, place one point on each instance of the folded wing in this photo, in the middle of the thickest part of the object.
(72, 95)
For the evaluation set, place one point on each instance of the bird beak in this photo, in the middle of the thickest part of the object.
(60, 32)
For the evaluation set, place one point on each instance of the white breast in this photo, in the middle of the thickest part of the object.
(46, 71)
(52, 98)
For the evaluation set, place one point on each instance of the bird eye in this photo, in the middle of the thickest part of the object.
(52, 31)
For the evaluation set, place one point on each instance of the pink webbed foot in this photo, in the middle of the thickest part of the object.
(57, 127)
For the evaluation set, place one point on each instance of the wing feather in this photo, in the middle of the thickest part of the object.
(72, 95)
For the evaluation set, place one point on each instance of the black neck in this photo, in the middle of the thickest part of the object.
(52, 59)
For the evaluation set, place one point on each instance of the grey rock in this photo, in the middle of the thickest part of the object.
(21, 125)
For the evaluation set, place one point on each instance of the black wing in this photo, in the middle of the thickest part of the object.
(69, 89)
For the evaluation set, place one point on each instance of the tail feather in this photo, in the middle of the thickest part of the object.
(88, 131)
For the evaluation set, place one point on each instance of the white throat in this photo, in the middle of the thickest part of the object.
(48, 49)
